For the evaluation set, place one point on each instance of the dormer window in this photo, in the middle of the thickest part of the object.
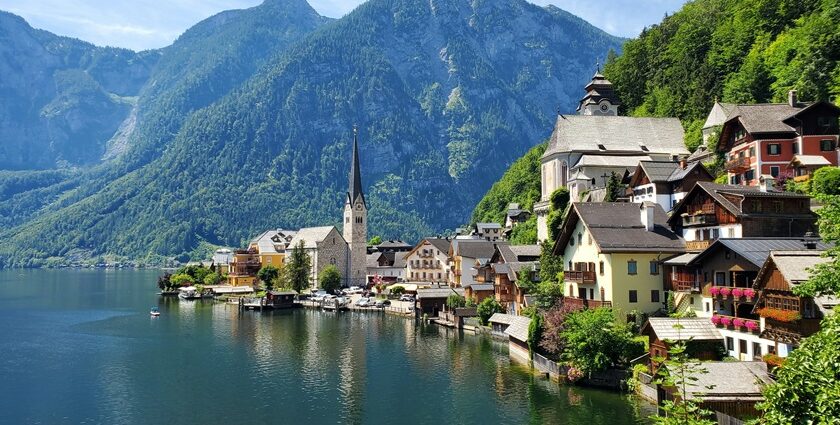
(601, 147)
(644, 148)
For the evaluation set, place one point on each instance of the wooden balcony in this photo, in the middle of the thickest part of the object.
(685, 284)
(736, 323)
(697, 246)
(738, 165)
(582, 304)
(790, 332)
(579, 276)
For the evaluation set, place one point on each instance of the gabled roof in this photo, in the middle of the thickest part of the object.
(718, 115)
(312, 236)
(617, 134)
(809, 161)
(683, 329)
(441, 244)
(480, 286)
(521, 251)
(617, 227)
(502, 318)
(717, 192)
(666, 171)
(606, 160)
(427, 293)
(518, 328)
(393, 244)
(474, 248)
(728, 381)
(756, 250)
(764, 117)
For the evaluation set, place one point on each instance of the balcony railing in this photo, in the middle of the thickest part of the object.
(581, 304)
(791, 331)
(702, 219)
(736, 323)
(743, 294)
(738, 165)
(579, 276)
(697, 245)
(685, 284)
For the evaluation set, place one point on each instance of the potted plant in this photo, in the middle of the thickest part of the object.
(716, 320)
(725, 291)
(780, 315)
(726, 321)
(749, 293)
(737, 292)
(715, 291)
(751, 326)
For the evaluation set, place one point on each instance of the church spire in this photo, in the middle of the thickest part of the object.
(355, 189)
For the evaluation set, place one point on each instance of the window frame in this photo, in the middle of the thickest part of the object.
(633, 296)
(634, 268)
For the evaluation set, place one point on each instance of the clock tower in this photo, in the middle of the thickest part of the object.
(355, 222)
(600, 97)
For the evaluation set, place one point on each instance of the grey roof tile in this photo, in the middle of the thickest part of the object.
(683, 329)
(617, 134)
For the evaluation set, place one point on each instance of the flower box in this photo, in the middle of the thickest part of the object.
(716, 320)
(725, 291)
(749, 293)
(738, 292)
(715, 291)
(751, 326)
(779, 314)
(726, 321)
(738, 322)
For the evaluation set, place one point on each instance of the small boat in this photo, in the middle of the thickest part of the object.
(189, 293)
(154, 312)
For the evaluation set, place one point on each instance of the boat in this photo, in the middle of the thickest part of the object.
(154, 312)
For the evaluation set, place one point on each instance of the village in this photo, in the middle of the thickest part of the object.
(703, 249)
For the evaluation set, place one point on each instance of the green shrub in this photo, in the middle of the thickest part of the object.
(826, 181)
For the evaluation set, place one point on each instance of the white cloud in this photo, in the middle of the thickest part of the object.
(145, 24)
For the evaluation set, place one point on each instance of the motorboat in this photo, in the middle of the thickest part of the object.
(189, 293)
(154, 312)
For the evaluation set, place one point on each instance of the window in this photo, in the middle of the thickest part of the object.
(347, 219)
(634, 297)
(591, 293)
(708, 307)
(730, 232)
(774, 149)
(756, 351)
(631, 267)
(774, 171)
(752, 151)
(601, 268)
(580, 239)
(589, 237)
(570, 265)
(736, 179)
(720, 278)
(826, 145)
(730, 343)
(795, 148)
(572, 241)
(749, 175)
(742, 346)
(654, 295)
(654, 268)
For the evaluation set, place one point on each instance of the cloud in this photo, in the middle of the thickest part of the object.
(146, 24)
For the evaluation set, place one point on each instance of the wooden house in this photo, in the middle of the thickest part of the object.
(280, 299)
(703, 340)
(665, 182)
(710, 211)
(787, 317)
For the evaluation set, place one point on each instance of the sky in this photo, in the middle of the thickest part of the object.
(148, 24)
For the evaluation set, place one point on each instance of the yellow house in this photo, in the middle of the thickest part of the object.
(243, 268)
(271, 245)
(613, 253)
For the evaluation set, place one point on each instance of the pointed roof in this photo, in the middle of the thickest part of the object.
(355, 187)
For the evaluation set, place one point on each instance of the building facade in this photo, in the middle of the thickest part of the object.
(428, 261)
(355, 223)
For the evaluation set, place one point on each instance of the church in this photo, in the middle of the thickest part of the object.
(585, 149)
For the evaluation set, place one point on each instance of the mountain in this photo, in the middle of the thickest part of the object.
(742, 51)
(445, 94)
(62, 99)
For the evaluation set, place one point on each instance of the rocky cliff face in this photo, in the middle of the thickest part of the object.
(62, 98)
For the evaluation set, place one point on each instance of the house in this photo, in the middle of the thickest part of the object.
(388, 266)
(325, 246)
(222, 258)
(499, 322)
(244, 267)
(431, 301)
(665, 182)
(515, 215)
(802, 167)
(614, 252)
(517, 332)
(479, 291)
(391, 246)
(508, 267)
(428, 261)
(489, 231)
(280, 299)
(725, 272)
(710, 211)
(701, 338)
(729, 389)
(762, 139)
(462, 256)
(271, 246)
(787, 317)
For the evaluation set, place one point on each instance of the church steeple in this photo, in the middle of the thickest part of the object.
(600, 97)
(355, 188)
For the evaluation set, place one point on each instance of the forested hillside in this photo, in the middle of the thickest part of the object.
(741, 51)
(444, 93)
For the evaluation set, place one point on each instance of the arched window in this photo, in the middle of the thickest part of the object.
(564, 173)
(571, 290)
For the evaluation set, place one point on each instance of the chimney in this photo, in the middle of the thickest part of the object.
(767, 184)
(792, 101)
(683, 163)
(810, 241)
(647, 209)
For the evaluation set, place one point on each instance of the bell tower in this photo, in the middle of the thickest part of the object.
(600, 97)
(355, 222)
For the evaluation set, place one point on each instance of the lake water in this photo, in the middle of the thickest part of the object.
(79, 347)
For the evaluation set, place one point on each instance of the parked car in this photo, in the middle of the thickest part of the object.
(354, 290)
(408, 298)
(382, 303)
(318, 296)
(363, 302)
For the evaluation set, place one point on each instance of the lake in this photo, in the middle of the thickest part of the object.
(79, 347)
